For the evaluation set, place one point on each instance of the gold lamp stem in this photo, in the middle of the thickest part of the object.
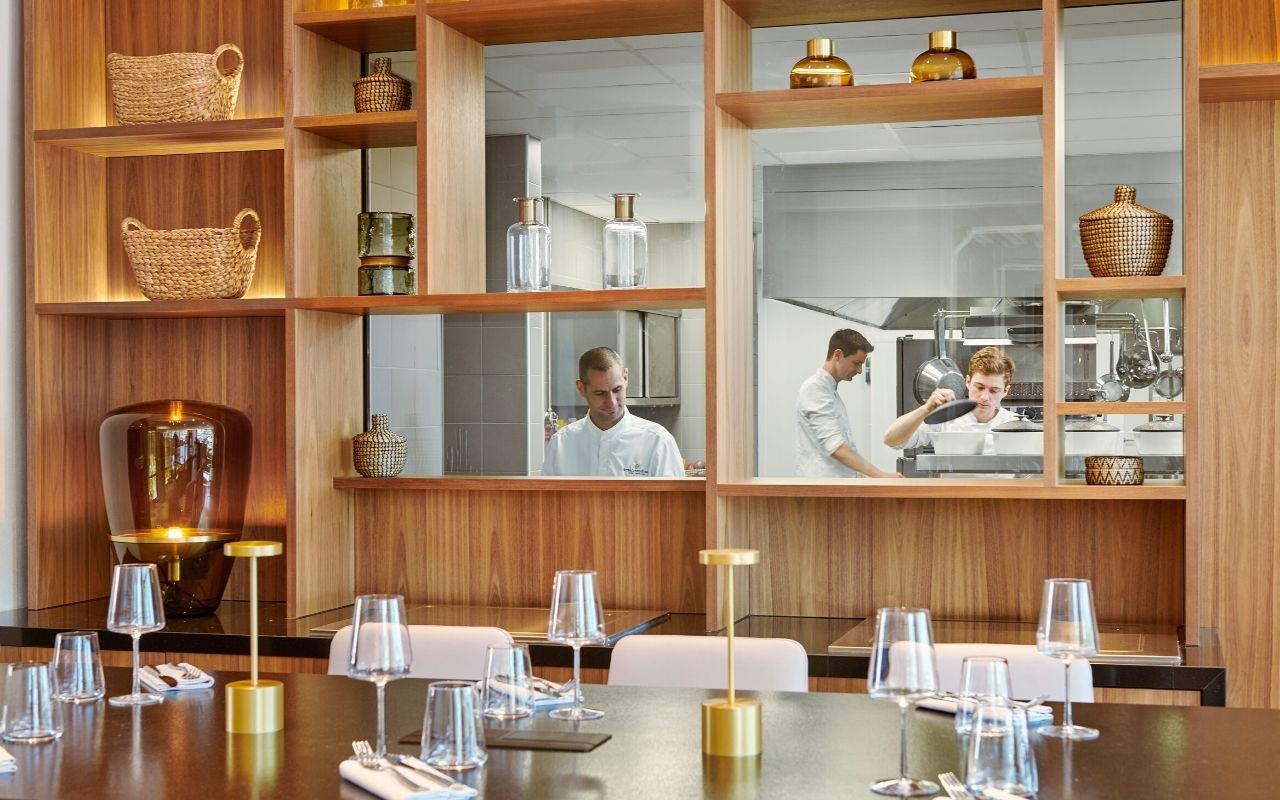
(730, 727)
(728, 602)
(254, 706)
(253, 619)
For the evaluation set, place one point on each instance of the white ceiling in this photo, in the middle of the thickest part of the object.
(619, 115)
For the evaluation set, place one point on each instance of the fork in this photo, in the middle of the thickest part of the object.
(188, 673)
(369, 760)
(955, 789)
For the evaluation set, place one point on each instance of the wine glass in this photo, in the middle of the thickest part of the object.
(576, 619)
(903, 670)
(1068, 630)
(380, 649)
(135, 608)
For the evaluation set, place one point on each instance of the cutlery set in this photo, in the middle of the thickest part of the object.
(425, 778)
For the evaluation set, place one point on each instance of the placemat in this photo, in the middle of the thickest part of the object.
(505, 738)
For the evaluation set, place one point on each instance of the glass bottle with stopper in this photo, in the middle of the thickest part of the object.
(528, 250)
(821, 67)
(943, 61)
(626, 246)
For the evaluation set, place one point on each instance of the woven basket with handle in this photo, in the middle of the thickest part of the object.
(194, 263)
(174, 87)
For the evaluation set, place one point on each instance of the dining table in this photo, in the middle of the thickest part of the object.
(815, 745)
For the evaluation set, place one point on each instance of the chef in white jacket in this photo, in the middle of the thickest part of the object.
(990, 376)
(824, 444)
(608, 441)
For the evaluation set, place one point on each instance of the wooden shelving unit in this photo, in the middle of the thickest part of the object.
(381, 129)
(1121, 288)
(777, 13)
(1170, 407)
(498, 484)
(511, 303)
(514, 22)
(1233, 83)
(114, 141)
(167, 309)
(870, 488)
(365, 30)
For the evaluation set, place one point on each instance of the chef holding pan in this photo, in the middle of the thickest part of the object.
(990, 376)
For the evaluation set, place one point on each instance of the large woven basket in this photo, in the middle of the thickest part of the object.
(194, 263)
(382, 90)
(1124, 239)
(174, 87)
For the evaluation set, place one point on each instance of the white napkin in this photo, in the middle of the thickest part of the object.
(385, 785)
(539, 696)
(7, 762)
(947, 705)
(146, 677)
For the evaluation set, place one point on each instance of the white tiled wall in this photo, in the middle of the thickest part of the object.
(405, 359)
(691, 426)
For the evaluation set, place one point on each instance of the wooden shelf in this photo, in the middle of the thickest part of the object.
(1171, 407)
(478, 483)
(365, 30)
(511, 302)
(381, 129)
(168, 309)
(1228, 83)
(515, 21)
(892, 102)
(222, 136)
(1121, 288)
(947, 489)
(777, 13)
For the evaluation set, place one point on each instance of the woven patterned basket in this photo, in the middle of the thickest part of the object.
(1113, 471)
(174, 87)
(378, 452)
(1124, 239)
(382, 90)
(193, 263)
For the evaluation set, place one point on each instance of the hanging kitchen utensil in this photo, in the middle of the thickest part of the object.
(1137, 365)
(1026, 334)
(949, 411)
(1110, 388)
(939, 372)
(1169, 382)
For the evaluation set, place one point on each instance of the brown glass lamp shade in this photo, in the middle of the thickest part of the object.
(175, 475)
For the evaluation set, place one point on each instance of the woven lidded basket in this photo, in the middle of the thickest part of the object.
(174, 87)
(379, 452)
(194, 263)
(1124, 239)
(382, 89)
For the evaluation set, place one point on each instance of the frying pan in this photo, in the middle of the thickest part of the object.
(949, 411)
(939, 372)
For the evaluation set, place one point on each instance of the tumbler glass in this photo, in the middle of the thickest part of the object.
(507, 693)
(999, 755)
(30, 714)
(453, 733)
(77, 667)
(983, 679)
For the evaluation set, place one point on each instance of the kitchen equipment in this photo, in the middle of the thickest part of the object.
(959, 443)
(1088, 436)
(1113, 471)
(1161, 436)
(939, 372)
(648, 341)
(1136, 368)
(1021, 437)
(949, 411)
(1110, 388)
(1026, 334)
(1169, 382)
(1125, 239)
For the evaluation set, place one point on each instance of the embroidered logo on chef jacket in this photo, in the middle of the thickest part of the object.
(635, 470)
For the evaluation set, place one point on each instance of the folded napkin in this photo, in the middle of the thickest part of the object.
(154, 678)
(384, 784)
(7, 762)
(542, 695)
(1036, 715)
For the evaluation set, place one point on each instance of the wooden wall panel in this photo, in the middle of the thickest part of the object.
(212, 661)
(196, 191)
(66, 193)
(964, 559)
(66, 38)
(1239, 31)
(324, 191)
(321, 75)
(503, 548)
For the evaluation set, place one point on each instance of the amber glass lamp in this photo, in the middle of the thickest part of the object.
(821, 67)
(175, 474)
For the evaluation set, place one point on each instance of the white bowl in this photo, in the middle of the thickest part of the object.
(959, 443)
(1158, 443)
(1019, 443)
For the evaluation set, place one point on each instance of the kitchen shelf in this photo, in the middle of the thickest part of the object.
(377, 129)
(511, 302)
(514, 22)
(1229, 83)
(220, 136)
(778, 13)
(1011, 489)
(478, 483)
(1136, 408)
(891, 102)
(1121, 288)
(365, 30)
(168, 309)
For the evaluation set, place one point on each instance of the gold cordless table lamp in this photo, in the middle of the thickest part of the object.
(254, 706)
(730, 727)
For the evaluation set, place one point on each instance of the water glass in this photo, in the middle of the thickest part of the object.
(30, 714)
(983, 679)
(903, 670)
(999, 754)
(1068, 630)
(507, 692)
(576, 619)
(77, 667)
(380, 649)
(453, 733)
(135, 608)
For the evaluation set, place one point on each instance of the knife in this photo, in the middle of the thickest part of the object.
(155, 673)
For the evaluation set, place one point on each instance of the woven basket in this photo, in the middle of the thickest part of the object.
(1113, 471)
(1124, 239)
(378, 452)
(193, 263)
(174, 87)
(382, 90)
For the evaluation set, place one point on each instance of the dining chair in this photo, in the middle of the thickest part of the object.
(699, 662)
(454, 652)
(1031, 673)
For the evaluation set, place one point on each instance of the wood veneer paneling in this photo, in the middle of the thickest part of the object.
(213, 661)
(322, 75)
(322, 193)
(66, 247)
(502, 548)
(67, 39)
(1239, 31)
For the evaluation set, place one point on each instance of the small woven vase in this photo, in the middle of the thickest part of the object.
(379, 453)
(1124, 239)
(382, 90)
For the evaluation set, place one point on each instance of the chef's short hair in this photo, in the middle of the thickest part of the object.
(992, 361)
(598, 358)
(848, 341)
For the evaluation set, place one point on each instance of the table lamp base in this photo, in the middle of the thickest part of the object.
(731, 729)
(255, 708)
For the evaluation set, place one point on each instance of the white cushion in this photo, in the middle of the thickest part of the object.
(1031, 674)
(439, 651)
(701, 662)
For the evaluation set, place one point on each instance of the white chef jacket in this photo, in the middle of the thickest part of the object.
(924, 434)
(822, 425)
(633, 447)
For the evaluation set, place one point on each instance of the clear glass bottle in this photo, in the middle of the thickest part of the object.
(626, 246)
(820, 68)
(942, 61)
(528, 250)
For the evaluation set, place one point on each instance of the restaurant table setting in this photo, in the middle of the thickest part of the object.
(179, 676)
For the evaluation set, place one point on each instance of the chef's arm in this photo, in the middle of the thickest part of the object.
(845, 455)
(899, 433)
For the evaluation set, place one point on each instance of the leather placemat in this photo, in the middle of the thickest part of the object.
(504, 738)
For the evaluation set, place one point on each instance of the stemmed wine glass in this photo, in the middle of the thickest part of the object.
(380, 649)
(135, 608)
(576, 619)
(1068, 630)
(903, 670)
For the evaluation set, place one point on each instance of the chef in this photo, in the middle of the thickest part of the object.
(824, 445)
(990, 376)
(608, 441)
